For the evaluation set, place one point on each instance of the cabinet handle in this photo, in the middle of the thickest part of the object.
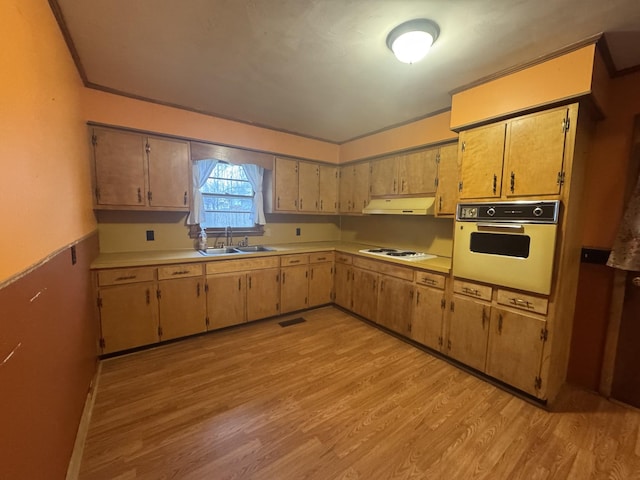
(411, 294)
(185, 198)
(312, 274)
(148, 295)
(126, 277)
(428, 281)
(321, 205)
(319, 259)
(394, 186)
(300, 204)
(198, 290)
(519, 302)
(283, 277)
(495, 183)
(139, 195)
(418, 298)
(180, 272)
(471, 291)
(402, 188)
(294, 261)
(381, 286)
(278, 202)
(440, 203)
(249, 281)
(513, 182)
(500, 324)
(239, 284)
(150, 195)
(483, 317)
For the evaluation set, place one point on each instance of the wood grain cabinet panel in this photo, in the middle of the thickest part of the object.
(182, 305)
(428, 316)
(481, 153)
(468, 332)
(321, 282)
(395, 304)
(515, 349)
(169, 173)
(447, 181)
(328, 189)
(294, 288)
(285, 185)
(263, 293)
(343, 285)
(308, 187)
(226, 299)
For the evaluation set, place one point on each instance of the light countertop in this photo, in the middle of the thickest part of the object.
(166, 257)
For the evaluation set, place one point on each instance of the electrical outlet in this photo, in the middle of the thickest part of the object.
(298, 232)
(74, 256)
(151, 236)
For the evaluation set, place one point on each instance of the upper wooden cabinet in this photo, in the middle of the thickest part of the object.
(447, 180)
(520, 157)
(304, 187)
(353, 187)
(138, 172)
(408, 174)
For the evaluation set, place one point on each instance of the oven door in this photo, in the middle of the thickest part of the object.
(513, 255)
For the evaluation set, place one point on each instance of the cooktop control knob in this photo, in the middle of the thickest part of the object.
(537, 211)
(491, 211)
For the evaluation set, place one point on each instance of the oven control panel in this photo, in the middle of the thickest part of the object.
(516, 212)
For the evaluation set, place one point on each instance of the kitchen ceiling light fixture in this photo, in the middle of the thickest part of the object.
(410, 41)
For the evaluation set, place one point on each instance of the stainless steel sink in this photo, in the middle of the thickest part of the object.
(232, 250)
(254, 248)
(219, 251)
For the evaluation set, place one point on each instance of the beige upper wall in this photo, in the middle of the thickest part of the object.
(45, 189)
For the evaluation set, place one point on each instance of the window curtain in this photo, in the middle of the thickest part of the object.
(255, 174)
(625, 254)
(201, 171)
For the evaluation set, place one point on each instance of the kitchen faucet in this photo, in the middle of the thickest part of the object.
(229, 235)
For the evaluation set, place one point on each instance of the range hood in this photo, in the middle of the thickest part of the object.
(401, 206)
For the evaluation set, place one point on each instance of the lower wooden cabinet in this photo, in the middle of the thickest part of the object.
(515, 349)
(128, 316)
(343, 281)
(263, 293)
(427, 319)
(364, 295)
(226, 300)
(182, 304)
(320, 278)
(395, 304)
(468, 331)
(294, 288)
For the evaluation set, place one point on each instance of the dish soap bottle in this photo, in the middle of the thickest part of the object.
(202, 240)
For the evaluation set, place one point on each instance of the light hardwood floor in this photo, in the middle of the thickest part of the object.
(336, 398)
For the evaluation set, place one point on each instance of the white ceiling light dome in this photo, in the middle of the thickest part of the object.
(410, 41)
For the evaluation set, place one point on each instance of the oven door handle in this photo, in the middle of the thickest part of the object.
(501, 226)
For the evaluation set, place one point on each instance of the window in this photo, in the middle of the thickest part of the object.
(227, 198)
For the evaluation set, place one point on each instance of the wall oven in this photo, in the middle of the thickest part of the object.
(511, 244)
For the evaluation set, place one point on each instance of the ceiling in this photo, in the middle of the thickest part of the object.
(321, 68)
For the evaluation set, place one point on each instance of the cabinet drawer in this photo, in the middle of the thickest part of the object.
(344, 258)
(287, 260)
(258, 263)
(321, 257)
(128, 275)
(472, 289)
(179, 271)
(523, 301)
(430, 279)
(383, 267)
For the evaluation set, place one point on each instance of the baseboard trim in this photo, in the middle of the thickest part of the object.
(73, 470)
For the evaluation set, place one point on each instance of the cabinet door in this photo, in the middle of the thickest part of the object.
(308, 187)
(343, 285)
(360, 187)
(395, 304)
(182, 304)
(417, 172)
(294, 289)
(428, 313)
(119, 167)
(320, 283)
(226, 300)
(384, 180)
(535, 153)
(169, 173)
(328, 189)
(286, 185)
(263, 293)
(515, 349)
(345, 189)
(447, 189)
(364, 293)
(469, 332)
(128, 316)
(481, 155)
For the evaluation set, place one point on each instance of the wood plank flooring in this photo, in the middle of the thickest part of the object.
(336, 398)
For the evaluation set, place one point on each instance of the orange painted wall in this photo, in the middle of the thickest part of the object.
(430, 130)
(563, 77)
(45, 191)
(117, 110)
